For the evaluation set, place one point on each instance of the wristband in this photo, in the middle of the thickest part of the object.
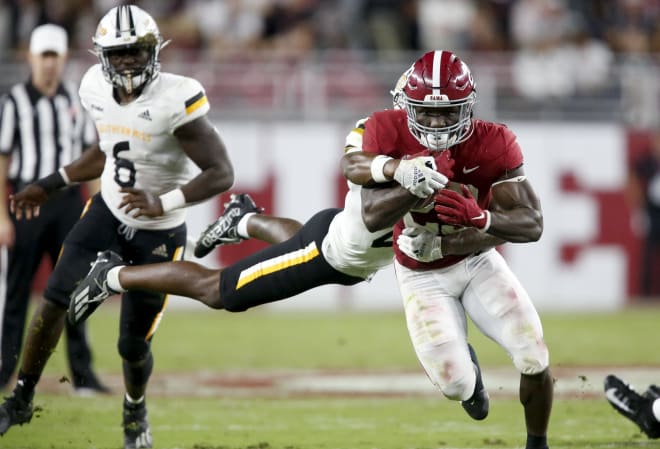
(174, 199)
(487, 225)
(64, 176)
(52, 182)
(377, 165)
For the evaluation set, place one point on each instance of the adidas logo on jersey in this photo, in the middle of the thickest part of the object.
(161, 251)
(145, 115)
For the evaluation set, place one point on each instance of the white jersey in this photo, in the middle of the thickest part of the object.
(349, 247)
(138, 139)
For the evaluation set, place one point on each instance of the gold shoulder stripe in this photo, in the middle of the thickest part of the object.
(198, 96)
(195, 102)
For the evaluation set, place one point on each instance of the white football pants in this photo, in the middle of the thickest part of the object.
(483, 286)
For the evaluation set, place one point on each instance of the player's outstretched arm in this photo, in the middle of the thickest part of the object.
(87, 167)
(26, 203)
(357, 168)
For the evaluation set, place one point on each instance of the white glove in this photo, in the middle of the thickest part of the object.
(419, 176)
(420, 244)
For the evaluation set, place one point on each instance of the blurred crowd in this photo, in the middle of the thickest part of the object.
(222, 26)
(548, 43)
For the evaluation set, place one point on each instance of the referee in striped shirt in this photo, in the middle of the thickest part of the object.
(42, 127)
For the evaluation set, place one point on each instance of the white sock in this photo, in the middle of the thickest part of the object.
(113, 279)
(656, 409)
(241, 227)
(130, 400)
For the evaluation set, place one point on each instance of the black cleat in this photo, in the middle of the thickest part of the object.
(93, 289)
(653, 392)
(137, 433)
(224, 229)
(478, 404)
(14, 411)
(637, 408)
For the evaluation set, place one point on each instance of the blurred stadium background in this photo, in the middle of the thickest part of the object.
(577, 81)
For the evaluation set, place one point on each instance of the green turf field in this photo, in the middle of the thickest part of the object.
(188, 414)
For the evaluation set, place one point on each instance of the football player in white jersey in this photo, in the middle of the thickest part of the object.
(153, 130)
(336, 246)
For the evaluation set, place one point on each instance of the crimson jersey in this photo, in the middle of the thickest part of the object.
(480, 161)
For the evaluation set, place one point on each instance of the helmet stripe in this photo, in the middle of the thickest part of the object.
(117, 22)
(435, 81)
(131, 24)
(124, 21)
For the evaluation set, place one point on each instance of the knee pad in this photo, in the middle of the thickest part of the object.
(532, 360)
(460, 388)
(133, 349)
(138, 373)
(455, 380)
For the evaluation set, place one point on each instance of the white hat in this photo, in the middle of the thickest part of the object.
(48, 37)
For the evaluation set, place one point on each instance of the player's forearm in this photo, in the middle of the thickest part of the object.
(210, 182)
(468, 241)
(383, 206)
(358, 168)
(519, 225)
(87, 167)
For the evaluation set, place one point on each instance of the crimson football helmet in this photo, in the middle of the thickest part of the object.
(439, 79)
(128, 27)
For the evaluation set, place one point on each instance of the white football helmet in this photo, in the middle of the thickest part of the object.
(397, 92)
(124, 27)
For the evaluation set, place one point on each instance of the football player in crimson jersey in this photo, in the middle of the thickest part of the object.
(446, 264)
(151, 126)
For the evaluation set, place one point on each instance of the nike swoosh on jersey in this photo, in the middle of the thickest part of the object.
(469, 170)
(611, 396)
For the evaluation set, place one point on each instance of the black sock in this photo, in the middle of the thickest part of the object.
(26, 384)
(536, 442)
